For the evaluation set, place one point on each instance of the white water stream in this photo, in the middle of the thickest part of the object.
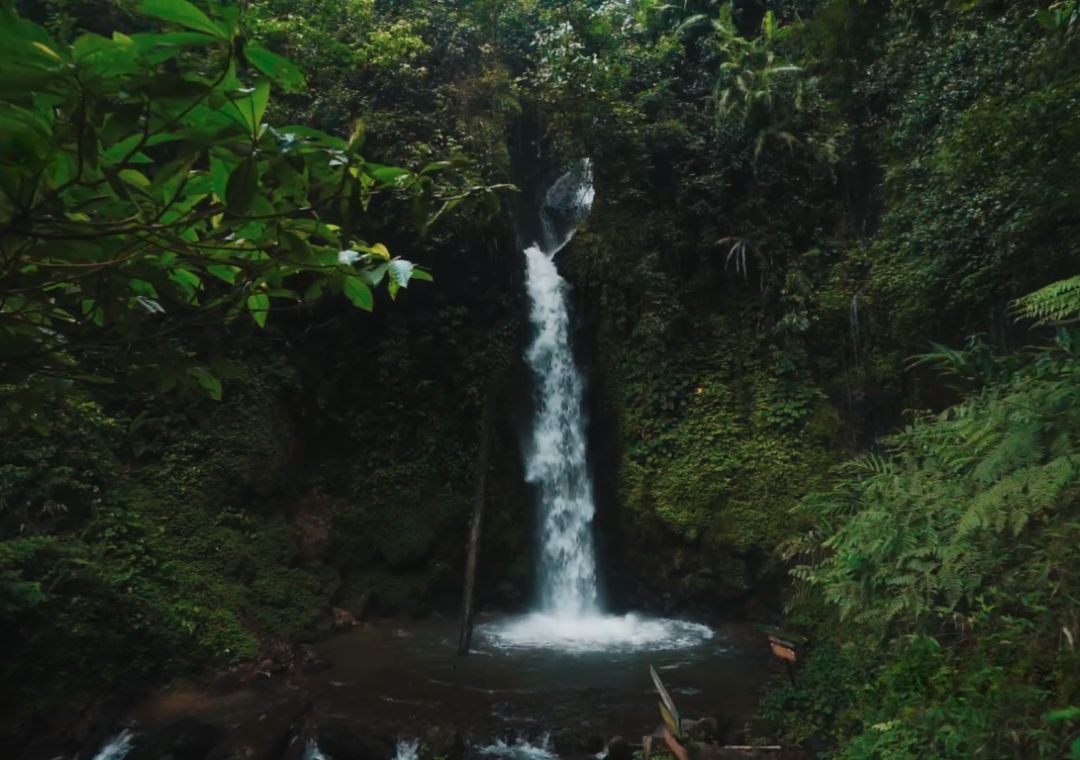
(117, 748)
(570, 615)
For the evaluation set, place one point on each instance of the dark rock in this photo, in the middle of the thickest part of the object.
(187, 739)
(619, 749)
(593, 744)
(444, 742)
(273, 735)
(345, 741)
(343, 620)
(310, 662)
(703, 730)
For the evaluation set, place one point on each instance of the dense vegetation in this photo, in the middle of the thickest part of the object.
(827, 300)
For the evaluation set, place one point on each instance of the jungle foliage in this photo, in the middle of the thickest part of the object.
(803, 208)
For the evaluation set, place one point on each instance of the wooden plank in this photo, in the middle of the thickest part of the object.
(783, 652)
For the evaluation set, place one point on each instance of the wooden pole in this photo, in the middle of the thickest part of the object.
(487, 425)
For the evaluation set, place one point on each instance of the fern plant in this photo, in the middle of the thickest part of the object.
(1058, 302)
(962, 536)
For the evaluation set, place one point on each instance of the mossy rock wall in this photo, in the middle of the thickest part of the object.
(707, 428)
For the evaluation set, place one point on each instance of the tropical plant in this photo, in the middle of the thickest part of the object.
(1057, 302)
(962, 536)
(142, 191)
(755, 86)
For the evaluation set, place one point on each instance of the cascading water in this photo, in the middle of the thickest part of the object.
(116, 748)
(556, 461)
(570, 616)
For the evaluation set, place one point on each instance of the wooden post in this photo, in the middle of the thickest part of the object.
(487, 425)
(785, 650)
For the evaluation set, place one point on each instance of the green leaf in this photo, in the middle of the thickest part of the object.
(223, 272)
(243, 182)
(768, 25)
(314, 291)
(121, 149)
(357, 291)
(375, 275)
(388, 175)
(182, 13)
(667, 702)
(420, 274)
(134, 178)
(401, 272)
(188, 281)
(251, 104)
(142, 288)
(258, 306)
(92, 310)
(259, 100)
(378, 249)
(207, 381)
(359, 134)
(1065, 713)
(48, 51)
(279, 69)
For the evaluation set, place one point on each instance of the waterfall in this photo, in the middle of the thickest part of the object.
(570, 615)
(556, 461)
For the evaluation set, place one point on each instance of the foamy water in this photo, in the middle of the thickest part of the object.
(593, 633)
(522, 749)
(117, 748)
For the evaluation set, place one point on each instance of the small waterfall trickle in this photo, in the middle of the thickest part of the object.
(117, 748)
(407, 749)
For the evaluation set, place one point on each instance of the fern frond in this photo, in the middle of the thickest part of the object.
(1057, 302)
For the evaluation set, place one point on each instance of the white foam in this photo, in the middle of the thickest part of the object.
(407, 749)
(117, 748)
(594, 633)
(521, 750)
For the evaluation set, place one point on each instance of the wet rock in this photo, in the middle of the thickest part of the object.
(187, 739)
(311, 522)
(310, 662)
(703, 730)
(344, 741)
(266, 736)
(343, 620)
(507, 595)
(444, 742)
(619, 749)
(279, 657)
(579, 741)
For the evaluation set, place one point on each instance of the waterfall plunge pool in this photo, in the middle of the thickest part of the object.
(508, 690)
(388, 680)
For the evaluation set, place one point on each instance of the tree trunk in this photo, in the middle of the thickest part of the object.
(487, 425)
